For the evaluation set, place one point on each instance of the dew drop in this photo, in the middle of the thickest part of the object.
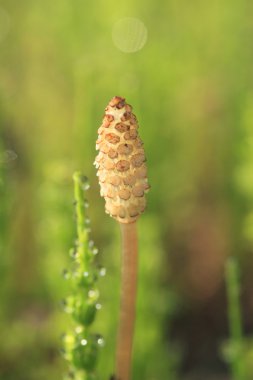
(66, 274)
(64, 306)
(93, 294)
(94, 251)
(78, 329)
(73, 253)
(98, 306)
(101, 341)
(87, 221)
(91, 243)
(102, 272)
(86, 203)
(84, 342)
(85, 182)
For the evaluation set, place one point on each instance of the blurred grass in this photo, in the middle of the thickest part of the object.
(191, 88)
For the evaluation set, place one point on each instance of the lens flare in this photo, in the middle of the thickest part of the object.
(129, 34)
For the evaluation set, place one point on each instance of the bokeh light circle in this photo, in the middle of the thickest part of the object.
(129, 34)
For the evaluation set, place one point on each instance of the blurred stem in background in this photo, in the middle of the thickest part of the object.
(235, 319)
(3, 220)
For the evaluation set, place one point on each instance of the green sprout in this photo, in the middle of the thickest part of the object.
(80, 345)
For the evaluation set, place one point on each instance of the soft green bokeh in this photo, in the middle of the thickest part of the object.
(191, 89)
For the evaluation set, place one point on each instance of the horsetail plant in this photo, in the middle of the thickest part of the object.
(81, 346)
(123, 183)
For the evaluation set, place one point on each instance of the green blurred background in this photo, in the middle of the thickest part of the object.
(191, 89)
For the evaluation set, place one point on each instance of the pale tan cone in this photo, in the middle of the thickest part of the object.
(122, 171)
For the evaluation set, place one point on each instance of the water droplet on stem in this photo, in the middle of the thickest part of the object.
(84, 182)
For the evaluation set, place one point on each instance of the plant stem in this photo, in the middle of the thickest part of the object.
(82, 234)
(235, 319)
(128, 298)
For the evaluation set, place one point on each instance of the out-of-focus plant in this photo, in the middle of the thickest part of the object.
(244, 222)
(234, 350)
(6, 161)
(238, 351)
(81, 346)
(151, 340)
(3, 223)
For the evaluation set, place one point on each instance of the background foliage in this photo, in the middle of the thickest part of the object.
(191, 88)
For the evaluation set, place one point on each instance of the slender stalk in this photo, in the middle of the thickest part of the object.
(235, 318)
(128, 300)
(82, 232)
